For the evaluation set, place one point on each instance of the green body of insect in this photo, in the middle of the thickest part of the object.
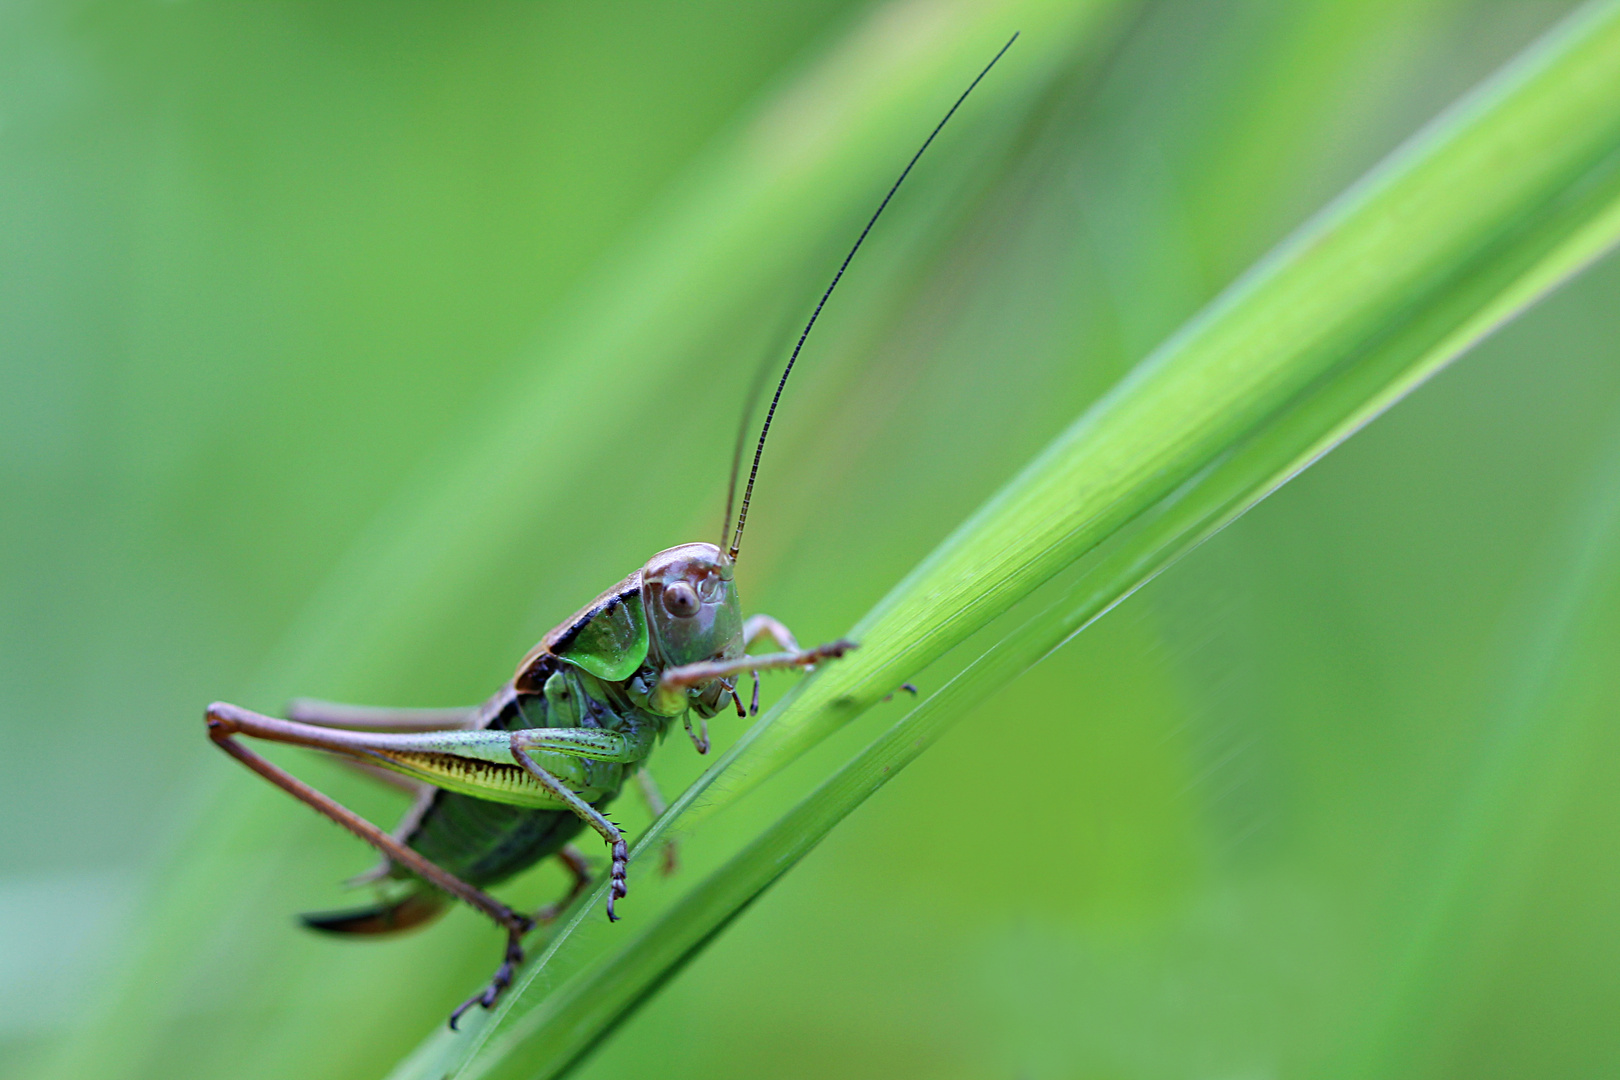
(519, 777)
(485, 820)
(509, 783)
(600, 671)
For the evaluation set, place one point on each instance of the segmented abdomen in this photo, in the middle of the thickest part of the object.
(484, 843)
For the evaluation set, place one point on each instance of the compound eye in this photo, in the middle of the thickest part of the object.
(680, 600)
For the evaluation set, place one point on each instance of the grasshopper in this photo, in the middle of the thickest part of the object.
(504, 785)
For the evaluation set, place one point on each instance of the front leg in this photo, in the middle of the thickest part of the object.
(755, 628)
(763, 626)
(707, 670)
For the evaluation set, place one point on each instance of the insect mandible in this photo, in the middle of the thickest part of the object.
(506, 784)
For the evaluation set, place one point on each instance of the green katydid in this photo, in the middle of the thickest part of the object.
(506, 784)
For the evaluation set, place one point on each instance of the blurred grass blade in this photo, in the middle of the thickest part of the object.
(1499, 200)
(1553, 697)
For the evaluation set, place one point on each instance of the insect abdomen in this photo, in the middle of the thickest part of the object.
(484, 843)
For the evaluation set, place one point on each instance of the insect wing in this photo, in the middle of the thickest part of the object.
(612, 643)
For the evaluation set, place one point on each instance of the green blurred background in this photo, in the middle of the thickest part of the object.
(1335, 796)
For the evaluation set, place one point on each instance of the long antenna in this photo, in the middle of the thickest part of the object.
(756, 389)
(742, 514)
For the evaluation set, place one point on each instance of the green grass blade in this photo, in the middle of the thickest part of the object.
(1506, 195)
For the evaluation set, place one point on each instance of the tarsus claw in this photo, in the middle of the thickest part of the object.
(621, 862)
(490, 994)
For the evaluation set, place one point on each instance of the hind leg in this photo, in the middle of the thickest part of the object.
(225, 722)
(379, 718)
(330, 714)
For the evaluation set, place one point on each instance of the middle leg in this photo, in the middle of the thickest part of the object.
(593, 817)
